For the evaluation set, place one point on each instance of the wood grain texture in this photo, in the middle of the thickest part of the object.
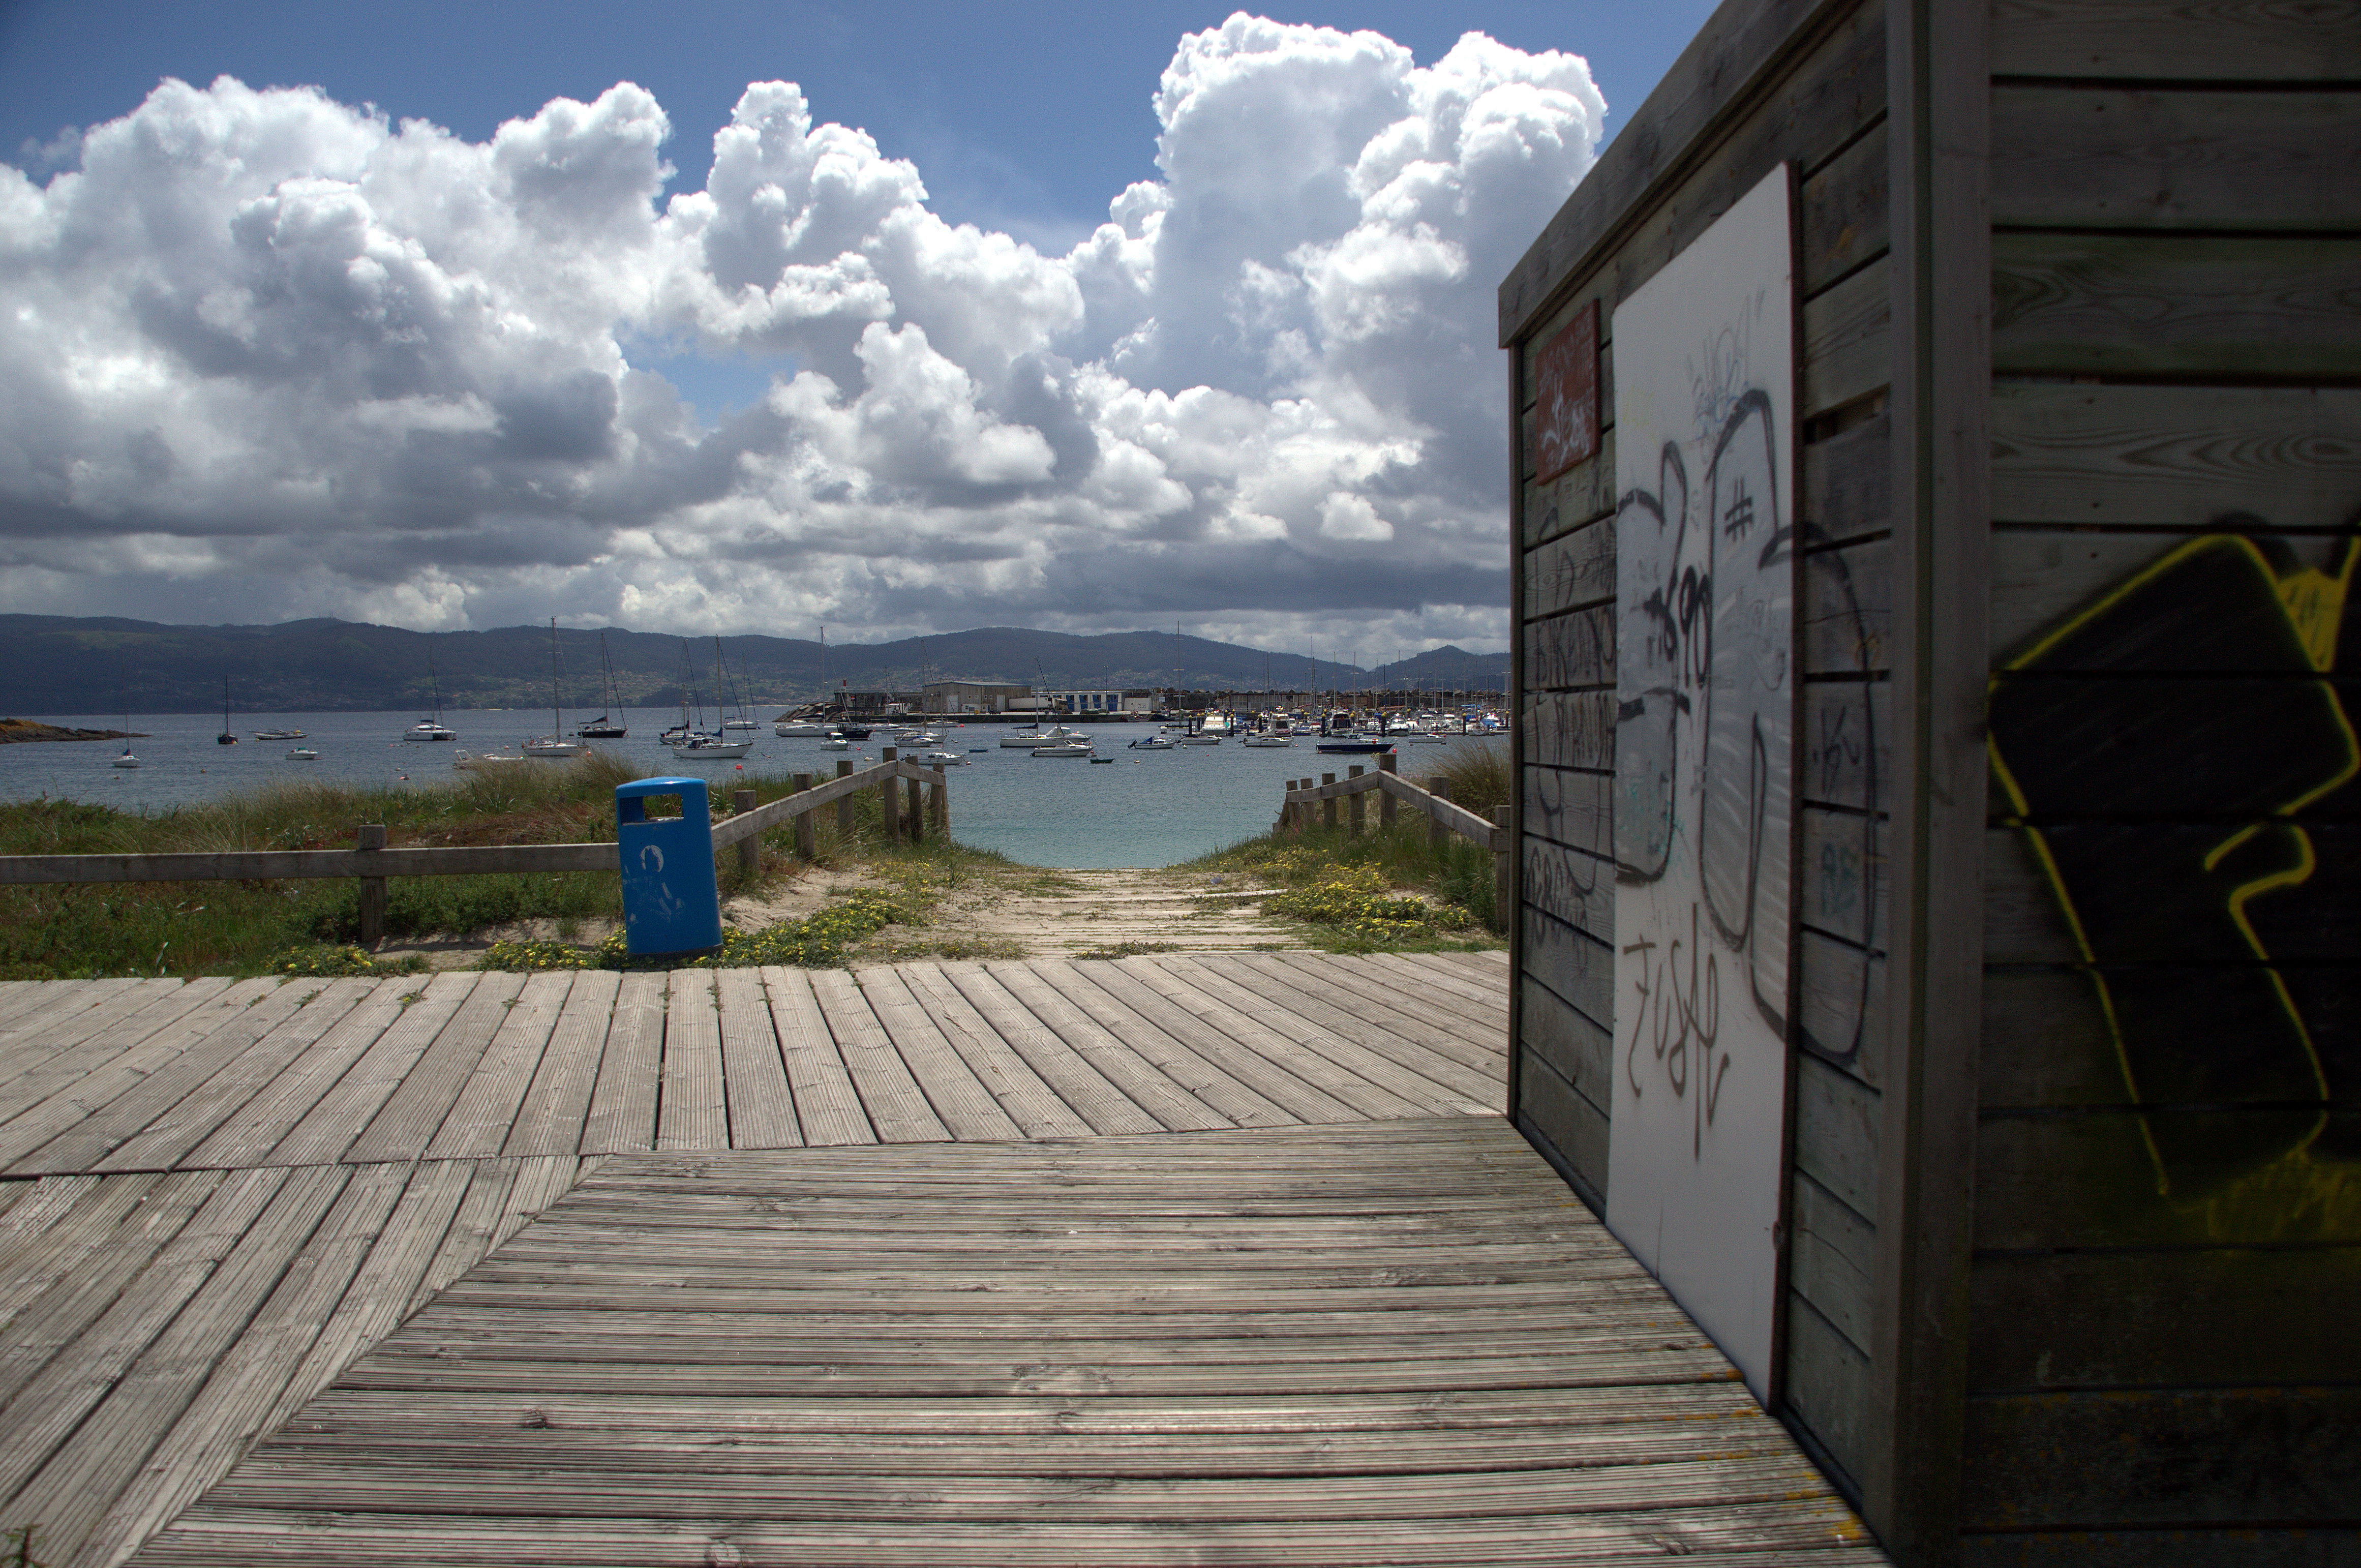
(1844, 340)
(2175, 305)
(1131, 1425)
(1576, 569)
(2177, 40)
(2172, 158)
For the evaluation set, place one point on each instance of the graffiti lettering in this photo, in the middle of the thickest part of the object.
(1678, 1014)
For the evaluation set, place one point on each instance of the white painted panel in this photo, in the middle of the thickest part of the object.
(1704, 758)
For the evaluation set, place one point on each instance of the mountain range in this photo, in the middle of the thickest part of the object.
(66, 664)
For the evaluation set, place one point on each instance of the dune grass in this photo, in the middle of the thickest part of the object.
(92, 930)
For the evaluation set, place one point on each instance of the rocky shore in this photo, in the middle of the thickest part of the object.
(15, 729)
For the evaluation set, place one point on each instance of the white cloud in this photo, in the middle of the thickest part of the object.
(264, 355)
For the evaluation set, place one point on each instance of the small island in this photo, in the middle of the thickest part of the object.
(15, 729)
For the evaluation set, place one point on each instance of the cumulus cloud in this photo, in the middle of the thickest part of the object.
(263, 353)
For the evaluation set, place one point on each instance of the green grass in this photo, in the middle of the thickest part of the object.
(58, 931)
(1389, 890)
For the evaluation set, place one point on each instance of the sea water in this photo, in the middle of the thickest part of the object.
(1149, 808)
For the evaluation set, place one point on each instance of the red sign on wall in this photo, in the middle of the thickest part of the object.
(1565, 426)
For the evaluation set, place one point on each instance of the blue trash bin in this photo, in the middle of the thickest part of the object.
(671, 902)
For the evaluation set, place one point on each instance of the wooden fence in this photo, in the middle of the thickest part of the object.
(1443, 814)
(371, 862)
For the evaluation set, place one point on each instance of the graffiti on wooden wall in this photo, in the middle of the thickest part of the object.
(2178, 754)
(1706, 693)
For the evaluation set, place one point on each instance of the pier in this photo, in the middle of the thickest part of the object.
(1209, 1257)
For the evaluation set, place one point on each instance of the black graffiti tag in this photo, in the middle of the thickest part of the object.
(1680, 1014)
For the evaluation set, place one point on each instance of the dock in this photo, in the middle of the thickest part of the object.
(1222, 1257)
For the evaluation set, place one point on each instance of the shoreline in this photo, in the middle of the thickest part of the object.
(23, 731)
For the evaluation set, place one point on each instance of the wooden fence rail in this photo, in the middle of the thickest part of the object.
(372, 863)
(1443, 815)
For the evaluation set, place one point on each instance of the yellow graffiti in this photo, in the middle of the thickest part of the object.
(2313, 602)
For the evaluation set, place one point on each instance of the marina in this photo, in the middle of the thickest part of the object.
(1171, 1258)
(1175, 803)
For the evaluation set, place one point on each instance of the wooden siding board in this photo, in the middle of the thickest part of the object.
(1831, 1259)
(1836, 1133)
(2173, 41)
(1578, 966)
(2076, 157)
(1841, 1006)
(1578, 1050)
(1847, 490)
(1577, 568)
(1846, 625)
(1848, 744)
(2122, 304)
(1571, 806)
(1844, 341)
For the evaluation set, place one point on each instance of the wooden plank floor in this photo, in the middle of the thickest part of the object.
(218, 1196)
(1398, 1342)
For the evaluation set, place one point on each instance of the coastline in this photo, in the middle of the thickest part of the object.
(15, 731)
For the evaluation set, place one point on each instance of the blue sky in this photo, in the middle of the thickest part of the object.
(1320, 314)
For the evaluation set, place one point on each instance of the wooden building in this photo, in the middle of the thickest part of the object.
(2010, 780)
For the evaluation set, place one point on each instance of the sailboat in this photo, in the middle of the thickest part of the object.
(699, 746)
(555, 744)
(226, 738)
(743, 720)
(127, 759)
(604, 728)
(432, 728)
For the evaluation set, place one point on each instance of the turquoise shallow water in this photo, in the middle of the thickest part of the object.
(1151, 808)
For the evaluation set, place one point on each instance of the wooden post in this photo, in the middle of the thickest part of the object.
(1386, 764)
(889, 796)
(750, 849)
(1504, 873)
(1286, 810)
(916, 814)
(1328, 806)
(1439, 787)
(807, 846)
(1360, 807)
(844, 806)
(939, 802)
(371, 836)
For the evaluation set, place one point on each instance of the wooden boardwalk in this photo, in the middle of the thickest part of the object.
(1212, 1257)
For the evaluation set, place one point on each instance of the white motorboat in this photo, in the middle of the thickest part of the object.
(489, 763)
(711, 749)
(278, 735)
(797, 728)
(1055, 735)
(432, 728)
(1201, 738)
(1063, 749)
(302, 754)
(1152, 743)
(943, 758)
(553, 747)
(836, 743)
(1266, 738)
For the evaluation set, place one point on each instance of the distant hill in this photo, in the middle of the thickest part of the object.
(65, 664)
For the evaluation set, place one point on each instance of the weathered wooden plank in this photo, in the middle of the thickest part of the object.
(1573, 650)
(623, 1103)
(2178, 1548)
(1845, 344)
(1432, 1052)
(2232, 1316)
(1841, 211)
(691, 1110)
(1577, 1050)
(957, 1095)
(227, 1417)
(2043, 576)
(66, 1220)
(1483, 994)
(896, 1107)
(68, 1049)
(2153, 1458)
(167, 1086)
(541, 1180)
(1555, 1110)
(762, 1105)
(1841, 1012)
(1407, 1004)
(1570, 807)
(1845, 888)
(2176, 40)
(283, 1072)
(1583, 495)
(1836, 1133)
(1315, 1096)
(74, 1010)
(1577, 965)
(828, 1105)
(2175, 457)
(474, 1223)
(1569, 729)
(1177, 1088)
(1667, 175)
(551, 1120)
(1004, 1070)
(1847, 616)
(72, 1486)
(47, 1408)
(1847, 490)
(1576, 568)
(2175, 305)
(486, 1108)
(1832, 1261)
(2172, 158)
(1099, 1087)
(1848, 744)
(1827, 1387)
(111, 1067)
(411, 1089)
(1571, 884)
